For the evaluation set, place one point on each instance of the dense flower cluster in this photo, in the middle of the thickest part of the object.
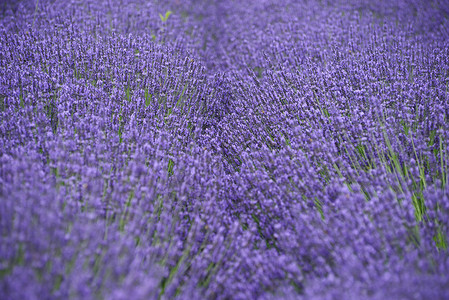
(272, 149)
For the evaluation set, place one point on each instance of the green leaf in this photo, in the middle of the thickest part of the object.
(167, 14)
(148, 97)
(128, 94)
(171, 164)
(22, 104)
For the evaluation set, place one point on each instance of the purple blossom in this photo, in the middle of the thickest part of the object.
(226, 150)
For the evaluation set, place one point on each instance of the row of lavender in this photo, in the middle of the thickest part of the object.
(250, 149)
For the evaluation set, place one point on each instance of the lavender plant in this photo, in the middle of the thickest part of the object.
(224, 150)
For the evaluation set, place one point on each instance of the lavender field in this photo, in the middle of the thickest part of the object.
(198, 149)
